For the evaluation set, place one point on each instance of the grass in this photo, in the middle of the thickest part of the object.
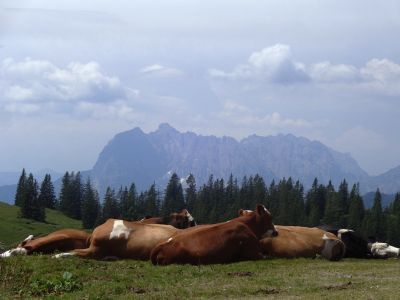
(14, 229)
(41, 277)
(74, 278)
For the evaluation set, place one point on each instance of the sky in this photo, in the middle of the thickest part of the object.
(75, 73)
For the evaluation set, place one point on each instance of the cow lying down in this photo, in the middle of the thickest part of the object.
(70, 239)
(231, 241)
(297, 241)
(60, 240)
(358, 247)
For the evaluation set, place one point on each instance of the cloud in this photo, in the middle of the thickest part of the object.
(326, 72)
(276, 65)
(157, 70)
(273, 64)
(238, 113)
(41, 81)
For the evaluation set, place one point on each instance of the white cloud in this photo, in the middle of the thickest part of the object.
(157, 70)
(274, 64)
(40, 80)
(329, 73)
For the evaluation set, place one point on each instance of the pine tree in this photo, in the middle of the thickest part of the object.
(65, 194)
(21, 187)
(190, 192)
(377, 222)
(110, 206)
(31, 207)
(46, 195)
(173, 200)
(90, 206)
(356, 209)
(123, 196)
(152, 201)
(133, 211)
(393, 222)
(76, 201)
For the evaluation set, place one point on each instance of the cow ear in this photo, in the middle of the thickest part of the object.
(240, 212)
(261, 210)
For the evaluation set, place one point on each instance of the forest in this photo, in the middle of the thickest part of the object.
(215, 201)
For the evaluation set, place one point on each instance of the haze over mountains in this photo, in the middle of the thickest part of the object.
(134, 156)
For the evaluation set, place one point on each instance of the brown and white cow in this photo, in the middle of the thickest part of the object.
(123, 239)
(297, 241)
(70, 239)
(179, 220)
(231, 241)
(60, 240)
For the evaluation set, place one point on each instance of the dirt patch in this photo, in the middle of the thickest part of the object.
(340, 286)
(241, 274)
(137, 290)
(270, 291)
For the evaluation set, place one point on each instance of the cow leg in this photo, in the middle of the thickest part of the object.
(90, 252)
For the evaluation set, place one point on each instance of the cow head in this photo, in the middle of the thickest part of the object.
(263, 219)
(182, 219)
(384, 250)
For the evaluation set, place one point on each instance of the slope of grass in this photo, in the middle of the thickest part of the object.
(14, 229)
(44, 277)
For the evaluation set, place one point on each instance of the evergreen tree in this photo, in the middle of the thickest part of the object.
(356, 209)
(46, 195)
(173, 200)
(133, 211)
(65, 194)
(90, 206)
(152, 201)
(123, 196)
(377, 222)
(21, 189)
(190, 192)
(76, 201)
(393, 222)
(110, 205)
(31, 207)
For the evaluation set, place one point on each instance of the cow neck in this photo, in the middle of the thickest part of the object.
(251, 222)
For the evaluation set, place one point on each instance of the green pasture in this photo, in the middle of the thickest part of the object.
(14, 229)
(73, 278)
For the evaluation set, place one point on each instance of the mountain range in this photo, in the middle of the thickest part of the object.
(146, 158)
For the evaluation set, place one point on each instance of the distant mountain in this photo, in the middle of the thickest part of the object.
(134, 156)
(368, 199)
(7, 193)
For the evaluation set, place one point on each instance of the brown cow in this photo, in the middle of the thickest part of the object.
(235, 240)
(179, 220)
(124, 239)
(60, 240)
(297, 241)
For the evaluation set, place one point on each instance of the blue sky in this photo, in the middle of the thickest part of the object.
(74, 73)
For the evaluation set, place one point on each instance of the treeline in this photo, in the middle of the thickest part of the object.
(219, 200)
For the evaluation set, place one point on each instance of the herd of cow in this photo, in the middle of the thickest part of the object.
(178, 239)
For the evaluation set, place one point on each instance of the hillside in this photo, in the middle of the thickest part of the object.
(14, 229)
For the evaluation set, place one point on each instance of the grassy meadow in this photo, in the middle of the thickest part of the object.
(73, 278)
(42, 277)
(14, 229)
